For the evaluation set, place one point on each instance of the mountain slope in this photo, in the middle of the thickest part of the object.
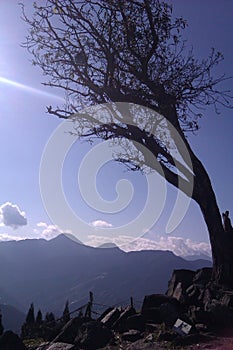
(12, 318)
(50, 272)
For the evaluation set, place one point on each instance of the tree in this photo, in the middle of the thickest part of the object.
(1, 325)
(49, 317)
(132, 51)
(66, 313)
(39, 317)
(30, 318)
(28, 328)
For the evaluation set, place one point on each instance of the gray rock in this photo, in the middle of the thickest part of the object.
(203, 276)
(152, 315)
(135, 322)
(159, 308)
(184, 277)
(132, 335)
(93, 335)
(227, 299)
(199, 316)
(61, 346)
(170, 312)
(119, 324)
(220, 315)
(106, 312)
(70, 330)
(154, 300)
(111, 317)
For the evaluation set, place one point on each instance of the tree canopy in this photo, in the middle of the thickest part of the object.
(124, 51)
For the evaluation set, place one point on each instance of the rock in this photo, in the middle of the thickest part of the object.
(154, 300)
(135, 322)
(167, 336)
(203, 276)
(152, 327)
(11, 341)
(220, 315)
(152, 315)
(199, 315)
(179, 293)
(191, 339)
(70, 330)
(111, 317)
(170, 312)
(119, 324)
(43, 346)
(227, 299)
(132, 335)
(61, 346)
(184, 277)
(93, 335)
(107, 311)
(159, 308)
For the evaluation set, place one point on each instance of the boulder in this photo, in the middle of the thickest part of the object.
(220, 315)
(106, 312)
(119, 324)
(203, 276)
(152, 315)
(158, 308)
(170, 312)
(193, 295)
(93, 335)
(166, 336)
(192, 339)
(227, 299)
(199, 316)
(154, 300)
(11, 341)
(111, 317)
(135, 322)
(132, 335)
(70, 330)
(61, 346)
(184, 277)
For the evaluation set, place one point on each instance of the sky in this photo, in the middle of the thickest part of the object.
(32, 144)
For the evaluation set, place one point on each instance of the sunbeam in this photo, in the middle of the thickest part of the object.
(29, 88)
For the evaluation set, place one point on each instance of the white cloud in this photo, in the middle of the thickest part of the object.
(178, 245)
(7, 237)
(46, 231)
(96, 241)
(100, 223)
(12, 216)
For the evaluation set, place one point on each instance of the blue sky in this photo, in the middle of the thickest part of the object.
(25, 129)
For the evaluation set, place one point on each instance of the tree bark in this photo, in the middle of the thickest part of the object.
(203, 193)
(221, 242)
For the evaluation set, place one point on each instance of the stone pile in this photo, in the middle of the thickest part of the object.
(192, 311)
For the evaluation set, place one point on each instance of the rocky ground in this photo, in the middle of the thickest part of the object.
(193, 314)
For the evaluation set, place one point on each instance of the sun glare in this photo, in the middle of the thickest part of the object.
(29, 88)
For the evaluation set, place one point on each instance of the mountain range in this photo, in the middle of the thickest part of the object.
(48, 273)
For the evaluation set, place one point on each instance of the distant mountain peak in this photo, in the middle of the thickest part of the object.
(108, 245)
(66, 236)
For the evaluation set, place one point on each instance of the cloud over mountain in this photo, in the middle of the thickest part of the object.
(7, 237)
(47, 231)
(12, 216)
(178, 245)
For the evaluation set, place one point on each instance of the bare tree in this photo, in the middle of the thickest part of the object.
(132, 51)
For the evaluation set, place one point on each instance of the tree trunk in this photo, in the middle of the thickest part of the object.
(221, 242)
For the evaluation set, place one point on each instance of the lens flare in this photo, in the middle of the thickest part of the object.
(29, 88)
